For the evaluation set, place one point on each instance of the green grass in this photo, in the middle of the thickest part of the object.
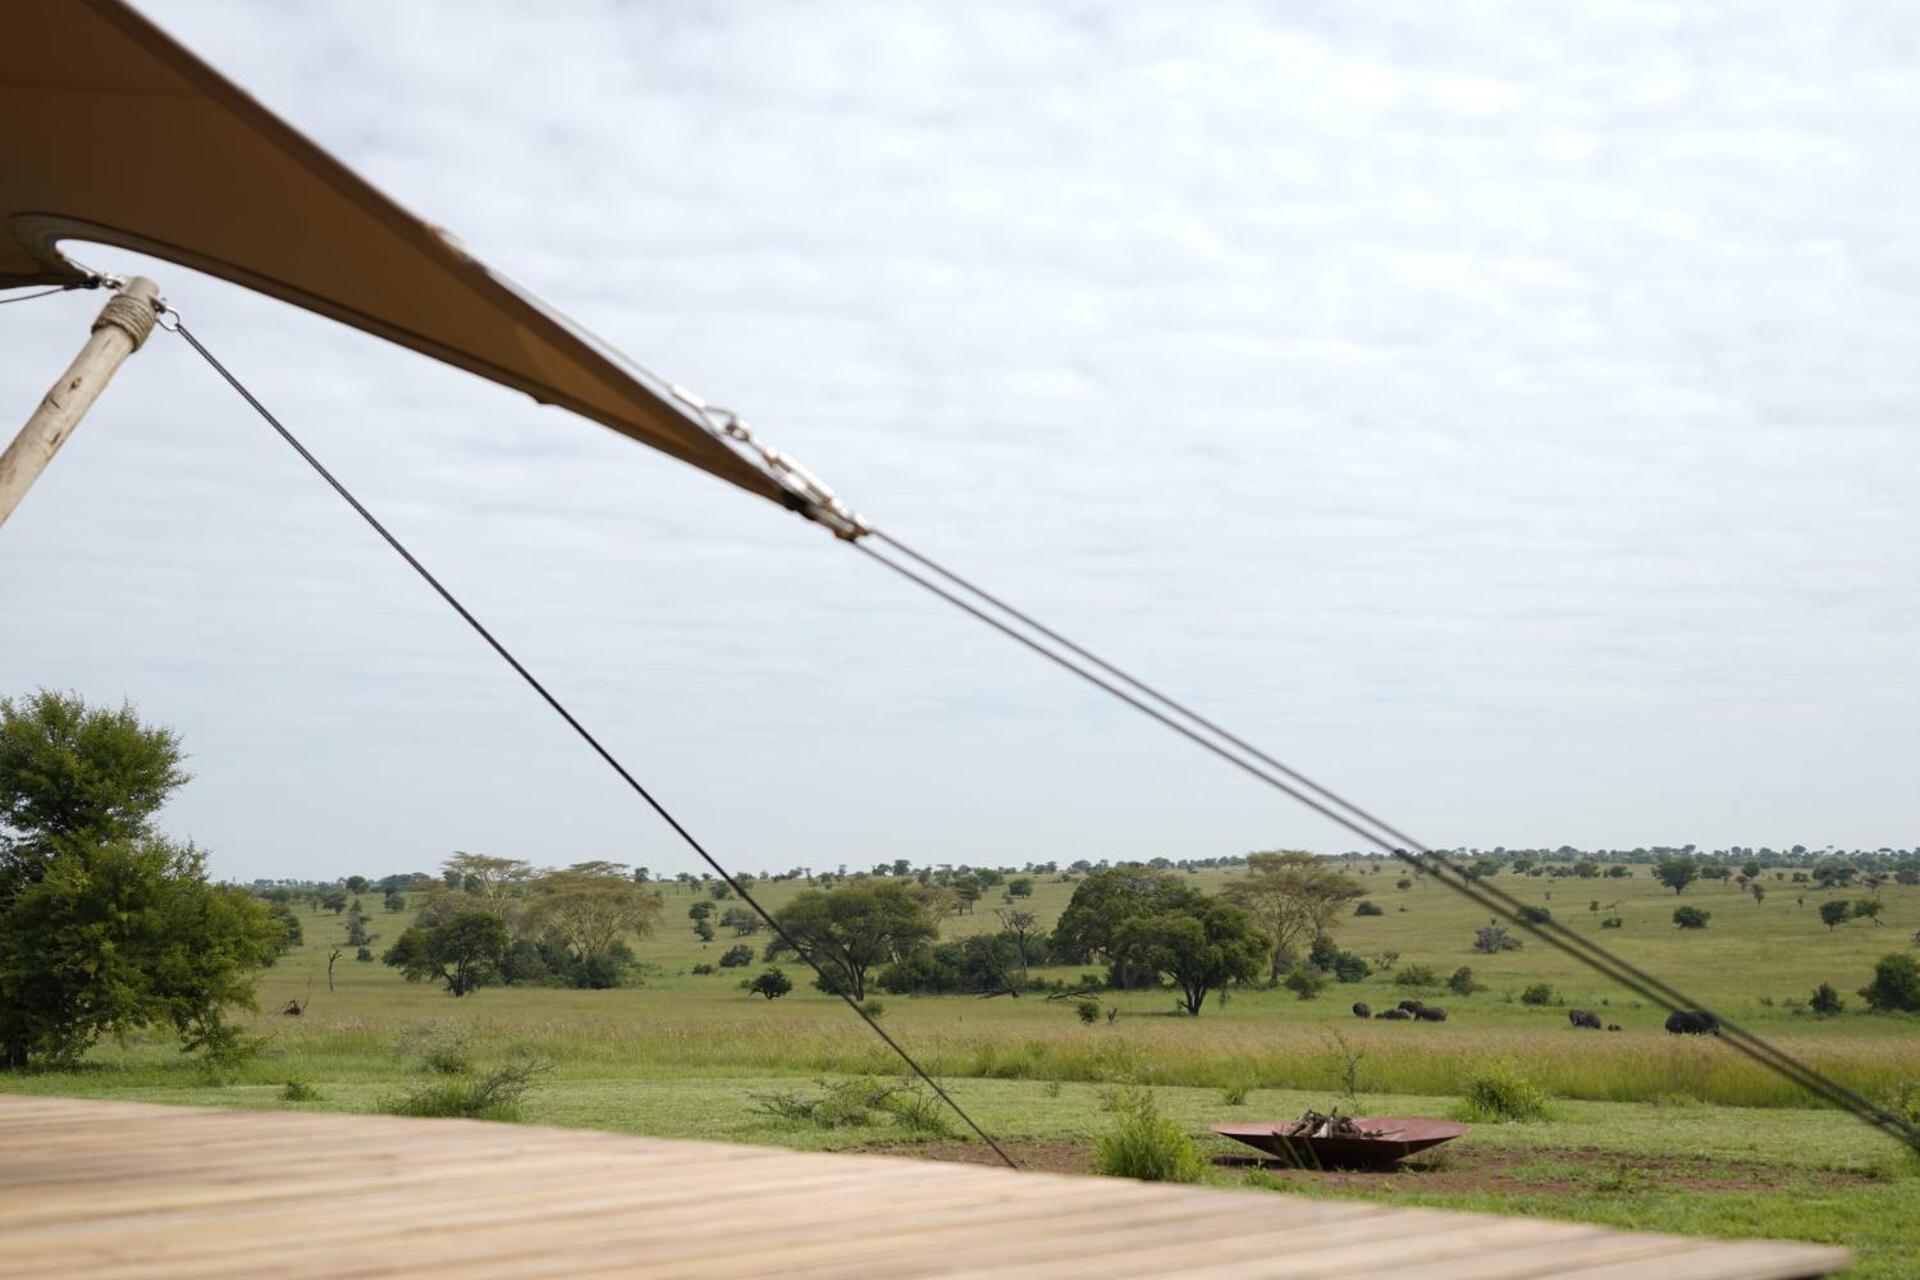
(683, 1055)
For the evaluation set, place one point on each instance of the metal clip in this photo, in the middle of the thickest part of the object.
(809, 494)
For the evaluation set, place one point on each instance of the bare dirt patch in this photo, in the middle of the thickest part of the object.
(1551, 1170)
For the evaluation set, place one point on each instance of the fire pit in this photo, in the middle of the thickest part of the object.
(1343, 1142)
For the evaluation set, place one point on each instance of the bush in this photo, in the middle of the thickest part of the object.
(1691, 917)
(1143, 1143)
(856, 1103)
(1492, 938)
(445, 1051)
(364, 955)
(737, 957)
(495, 1096)
(1612, 922)
(1461, 982)
(701, 970)
(1501, 1095)
(1369, 909)
(299, 1091)
(771, 983)
(1895, 985)
(1826, 1001)
(1088, 1011)
(872, 1008)
(1305, 983)
(1235, 1094)
(1535, 915)
(1538, 993)
(1417, 975)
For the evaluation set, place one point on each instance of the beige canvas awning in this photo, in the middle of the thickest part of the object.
(112, 132)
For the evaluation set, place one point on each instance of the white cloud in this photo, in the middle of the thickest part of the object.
(1503, 412)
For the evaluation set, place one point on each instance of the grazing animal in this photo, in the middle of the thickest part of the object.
(1362, 1010)
(1584, 1018)
(1613, 1026)
(1412, 1006)
(1692, 1022)
(1428, 1013)
(1392, 1015)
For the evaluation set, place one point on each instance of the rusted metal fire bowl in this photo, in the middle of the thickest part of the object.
(1394, 1138)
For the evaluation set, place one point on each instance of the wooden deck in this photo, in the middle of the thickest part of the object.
(118, 1191)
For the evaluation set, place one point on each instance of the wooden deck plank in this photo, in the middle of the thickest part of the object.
(123, 1191)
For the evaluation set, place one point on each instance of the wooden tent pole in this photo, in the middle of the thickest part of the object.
(118, 331)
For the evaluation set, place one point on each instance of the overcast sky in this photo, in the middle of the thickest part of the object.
(1503, 412)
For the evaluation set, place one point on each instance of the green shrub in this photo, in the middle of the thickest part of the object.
(1417, 975)
(1493, 937)
(1535, 915)
(1826, 1001)
(364, 955)
(1305, 983)
(771, 983)
(1461, 983)
(1691, 917)
(1538, 993)
(1501, 1095)
(494, 1096)
(299, 1091)
(445, 1051)
(701, 970)
(1895, 985)
(737, 956)
(1088, 1011)
(1143, 1143)
(1369, 909)
(1612, 922)
(1235, 1094)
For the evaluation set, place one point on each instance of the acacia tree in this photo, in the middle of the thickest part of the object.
(105, 926)
(851, 929)
(1023, 928)
(591, 906)
(1676, 872)
(1294, 897)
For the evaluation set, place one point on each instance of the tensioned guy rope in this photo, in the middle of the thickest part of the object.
(1189, 724)
(560, 710)
(1209, 736)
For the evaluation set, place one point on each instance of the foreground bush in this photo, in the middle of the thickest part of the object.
(1501, 1095)
(494, 1096)
(1143, 1143)
(1895, 986)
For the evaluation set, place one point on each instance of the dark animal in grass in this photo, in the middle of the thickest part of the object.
(1362, 1010)
(1692, 1022)
(1584, 1018)
(1412, 1006)
(1613, 1026)
(1392, 1015)
(1429, 1013)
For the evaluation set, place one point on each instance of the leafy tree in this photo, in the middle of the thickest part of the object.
(1895, 985)
(1867, 909)
(1022, 887)
(700, 911)
(703, 930)
(591, 906)
(742, 921)
(737, 957)
(356, 884)
(334, 900)
(1198, 943)
(287, 921)
(853, 928)
(105, 927)
(1825, 1001)
(1691, 917)
(464, 953)
(771, 983)
(1462, 982)
(1676, 872)
(1834, 911)
(394, 901)
(1293, 897)
(70, 772)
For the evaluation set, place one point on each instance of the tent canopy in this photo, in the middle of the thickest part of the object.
(112, 132)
